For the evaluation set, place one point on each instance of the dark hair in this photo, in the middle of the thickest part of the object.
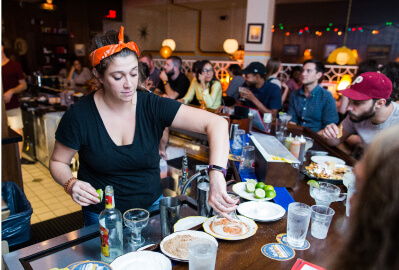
(109, 38)
(368, 65)
(272, 66)
(235, 69)
(146, 54)
(199, 71)
(195, 66)
(372, 237)
(146, 69)
(296, 68)
(176, 61)
(391, 70)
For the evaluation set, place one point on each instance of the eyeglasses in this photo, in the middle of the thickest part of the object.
(207, 70)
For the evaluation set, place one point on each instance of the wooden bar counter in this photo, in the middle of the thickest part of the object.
(84, 244)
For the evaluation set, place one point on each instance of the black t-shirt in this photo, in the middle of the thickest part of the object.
(180, 85)
(133, 170)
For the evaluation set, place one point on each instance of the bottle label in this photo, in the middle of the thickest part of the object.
(104, 241)
(109, 202)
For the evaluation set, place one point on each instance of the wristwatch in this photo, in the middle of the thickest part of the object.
(165, 82)
(218, 168)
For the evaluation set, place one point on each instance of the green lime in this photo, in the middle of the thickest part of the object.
(270, 194)
(250, 187)
(253, 181)
(268, 187)
(260, 193)
(100, 194)
(313, 183)
(260, 185)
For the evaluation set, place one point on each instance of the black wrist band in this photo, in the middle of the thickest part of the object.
(218, 168)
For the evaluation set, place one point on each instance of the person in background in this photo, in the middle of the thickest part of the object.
(81, 75)
(153, 78)
(370, 110)
(236, 81)
(368, 65)
(262, 95)
(205, 87)
(294, 83)
(273, 68)
(391, 70)
(312, 106)
(173, 83)
(191, 75)
(371, 240)
(117, 130)
(13, 83)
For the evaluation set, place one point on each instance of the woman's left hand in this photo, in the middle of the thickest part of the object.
(218, 199)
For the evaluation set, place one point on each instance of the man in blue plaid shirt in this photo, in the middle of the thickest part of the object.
(312, 106)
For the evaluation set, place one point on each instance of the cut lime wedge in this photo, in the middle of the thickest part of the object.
(253, 181)
(250, 187)
(100, 194)
(260, 193)
(313, 183)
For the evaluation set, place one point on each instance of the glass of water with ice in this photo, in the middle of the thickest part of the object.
(297, 223)
(326, 194)
(202, 254)
(321, 220)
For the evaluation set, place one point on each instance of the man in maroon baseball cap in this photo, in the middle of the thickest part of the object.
(369, 110)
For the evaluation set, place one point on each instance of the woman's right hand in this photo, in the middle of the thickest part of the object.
(83, 193)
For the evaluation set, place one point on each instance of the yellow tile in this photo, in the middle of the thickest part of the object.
(46, 195)
(52, 200)
(55, 206)
(41, 210)
(34, 219)
(37, 204)
(46, 216)
(75, 208)
(62, 212)
(33, 199)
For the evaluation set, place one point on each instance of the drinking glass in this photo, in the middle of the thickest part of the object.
(285, 118)
(280, 128)
(326, 194)
(202, 254)
(136, 219)
(225, 227)
(298, 223)
(238, 142)
(351, 191)
(240, 90)
(247, 162)
(308, 145)
(321, 220)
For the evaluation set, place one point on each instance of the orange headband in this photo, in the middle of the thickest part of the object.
(101, 53)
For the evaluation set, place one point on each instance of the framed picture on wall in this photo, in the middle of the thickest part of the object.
(328, 49)
(255, 33)
(378, 52)
(291, 50)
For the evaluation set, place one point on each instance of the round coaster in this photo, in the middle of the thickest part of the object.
(277, 251)
(282, 238)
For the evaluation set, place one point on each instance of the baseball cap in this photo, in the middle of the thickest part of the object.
(255, 68)
(369, 85)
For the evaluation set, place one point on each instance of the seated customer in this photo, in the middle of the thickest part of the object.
(173, 83)
(238, 80)
(372, 237)
(262, 95)
(312, 106)
(370, 109)
(154, 72)
(273, 69)
(81, 75)
(205, 87)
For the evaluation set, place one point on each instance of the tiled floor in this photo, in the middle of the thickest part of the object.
(47, 197)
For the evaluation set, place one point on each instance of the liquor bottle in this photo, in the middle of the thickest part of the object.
(110, 228)
(203, 105)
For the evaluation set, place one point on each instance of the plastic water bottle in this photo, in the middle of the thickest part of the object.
(111, 233)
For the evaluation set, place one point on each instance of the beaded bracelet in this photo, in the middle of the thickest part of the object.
(66, 185)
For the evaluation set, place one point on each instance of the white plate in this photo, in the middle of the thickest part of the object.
(240, 189)
(142, 260)
(249, 222)
(188, 222)
(192, 233)
(323, 159)
(261, 211)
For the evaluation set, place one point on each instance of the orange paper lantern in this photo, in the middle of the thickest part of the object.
(165, 51)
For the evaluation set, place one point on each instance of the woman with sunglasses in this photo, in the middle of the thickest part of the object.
(117, 130)
(205, 87)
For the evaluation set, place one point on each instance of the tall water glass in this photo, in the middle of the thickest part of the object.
(202, 254)
(321, 220)
(298, 223)
(238, 142)
(351, 191)
(247, 162)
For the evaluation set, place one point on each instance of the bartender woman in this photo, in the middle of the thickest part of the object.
(116, 131)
